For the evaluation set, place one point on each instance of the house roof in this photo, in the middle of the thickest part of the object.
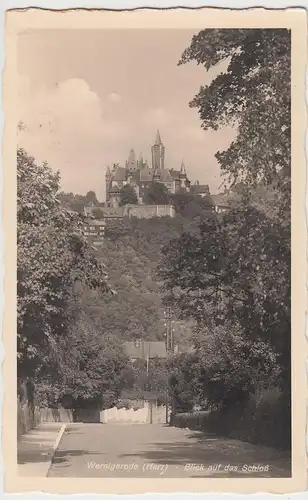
(142, 350)
(96, 222)
(220, 199)
(200, 188)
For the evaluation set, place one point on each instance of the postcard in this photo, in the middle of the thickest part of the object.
(155, 251)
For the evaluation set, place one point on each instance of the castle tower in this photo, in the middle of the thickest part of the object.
(158, 153)
(108, 182)
(140, 162)
(131, 164)
(156, 175)
(114, 196)
(183, 176)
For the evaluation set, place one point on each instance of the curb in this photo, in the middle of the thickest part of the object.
(55, 446)
(60, 434)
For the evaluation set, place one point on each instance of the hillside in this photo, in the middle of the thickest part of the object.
(131, 252)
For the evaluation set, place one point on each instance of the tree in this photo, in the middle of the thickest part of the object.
(233, 280)
(254, 96)
(128, 195)
(52, 257)
(238, 266)
(131, 253)
(77, 202)
(191, 206)
(151, 376)
(91, 370)
(157, 194)
(90, 197)
(232, 275)
(233, 365)
(185, 382)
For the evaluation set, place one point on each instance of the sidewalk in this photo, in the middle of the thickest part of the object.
(36, 448)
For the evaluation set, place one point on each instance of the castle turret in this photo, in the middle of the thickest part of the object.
(108, 177)
(131, 163)
(114, 196)
(158, 153)
(183, 176)
(183, 173)
(140, 162)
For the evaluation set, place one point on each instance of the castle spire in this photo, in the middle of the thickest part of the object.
(132, 156)
(183, 170)
(158, 153)
(131, 163)
(158, 138)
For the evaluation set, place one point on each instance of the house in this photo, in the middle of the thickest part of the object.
(200, 189)
(220, 202)
(140, 349)
(94, 230)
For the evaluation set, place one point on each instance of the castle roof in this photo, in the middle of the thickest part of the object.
(174, 173)
(146, 174)
(165, 176)
(119, 174)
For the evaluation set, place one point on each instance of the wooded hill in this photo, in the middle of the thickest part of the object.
(131, 252)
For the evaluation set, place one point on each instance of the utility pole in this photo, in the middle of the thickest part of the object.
(169, 322)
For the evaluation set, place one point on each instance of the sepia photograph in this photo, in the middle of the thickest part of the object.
(153, 250)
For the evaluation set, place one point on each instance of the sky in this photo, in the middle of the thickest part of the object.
(87, 96)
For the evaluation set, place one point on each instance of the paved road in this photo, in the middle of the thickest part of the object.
(115, 450)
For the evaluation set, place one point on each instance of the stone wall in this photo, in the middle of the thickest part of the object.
(148, 211)
(56, 415)
(28, 417)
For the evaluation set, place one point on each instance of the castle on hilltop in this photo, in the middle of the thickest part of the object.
(140, 176)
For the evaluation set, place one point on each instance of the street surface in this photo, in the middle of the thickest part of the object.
(149, 451)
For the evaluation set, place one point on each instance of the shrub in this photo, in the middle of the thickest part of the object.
(265, 419)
